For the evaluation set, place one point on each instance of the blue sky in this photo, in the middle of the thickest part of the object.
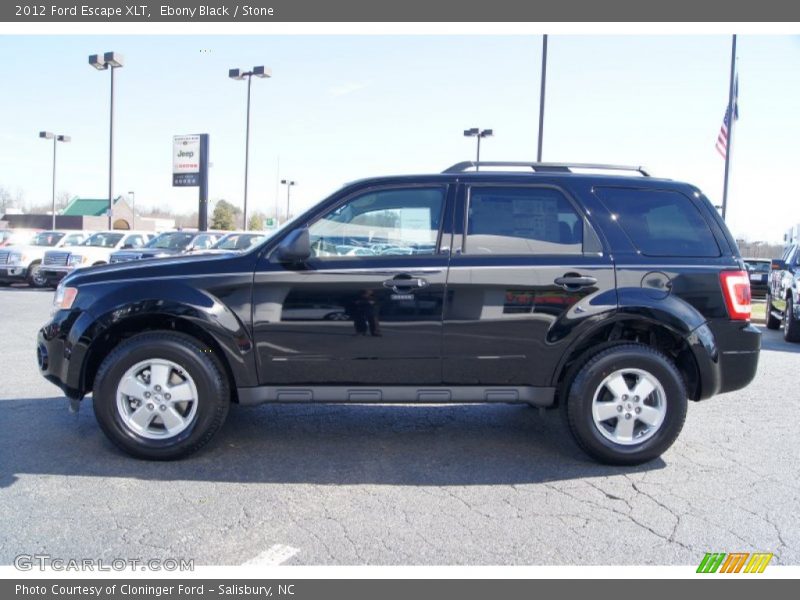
(342, 107)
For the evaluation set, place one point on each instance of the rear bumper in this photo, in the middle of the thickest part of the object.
(727, 355)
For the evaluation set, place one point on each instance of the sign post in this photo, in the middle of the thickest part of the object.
(190, 169)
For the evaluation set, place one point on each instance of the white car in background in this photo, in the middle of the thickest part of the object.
(22, 263)
(96, 250)
(236, 241)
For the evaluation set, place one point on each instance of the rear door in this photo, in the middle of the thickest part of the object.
(527, 270)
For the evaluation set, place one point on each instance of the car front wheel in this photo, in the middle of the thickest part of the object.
(626, 405)
(161, 395)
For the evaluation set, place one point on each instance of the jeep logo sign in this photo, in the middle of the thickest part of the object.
(186, 160)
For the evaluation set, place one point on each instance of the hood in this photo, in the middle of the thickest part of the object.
(182, 265)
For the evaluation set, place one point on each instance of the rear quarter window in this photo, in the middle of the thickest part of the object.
(660, 222)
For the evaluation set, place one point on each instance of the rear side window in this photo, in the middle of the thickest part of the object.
(522, 220)
(660, 222)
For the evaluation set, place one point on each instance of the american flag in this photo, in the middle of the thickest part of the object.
(722, 138)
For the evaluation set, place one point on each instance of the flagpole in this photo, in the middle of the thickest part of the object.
(541, 98)
(731, 118)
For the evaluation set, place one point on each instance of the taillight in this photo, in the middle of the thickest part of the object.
(736, 290)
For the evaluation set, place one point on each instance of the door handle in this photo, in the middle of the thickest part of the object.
(572, 283)
(401, 282)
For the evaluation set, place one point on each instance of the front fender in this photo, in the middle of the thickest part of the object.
(141, 305)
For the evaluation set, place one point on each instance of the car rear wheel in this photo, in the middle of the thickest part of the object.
(771, 321)
(791, 325)
(161, 395)
(626, 405)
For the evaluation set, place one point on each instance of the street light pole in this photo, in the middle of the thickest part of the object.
(56, 138)
(288, 183)
(238, 74)
(133, 209)
(109, 61)
(478, 133)
(541, 99)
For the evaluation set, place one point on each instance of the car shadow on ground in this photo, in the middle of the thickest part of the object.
(318, 444)
(24, 287)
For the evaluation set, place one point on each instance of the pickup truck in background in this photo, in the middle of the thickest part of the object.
(783, 294)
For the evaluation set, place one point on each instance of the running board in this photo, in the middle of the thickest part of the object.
(538, 396)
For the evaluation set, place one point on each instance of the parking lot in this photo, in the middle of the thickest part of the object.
(465, 484)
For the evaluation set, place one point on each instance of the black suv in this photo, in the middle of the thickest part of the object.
(614, 298)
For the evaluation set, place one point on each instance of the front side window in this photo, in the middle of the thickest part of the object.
(388, 222)
(176, 240)
(204, 241)
(521, 220)
(134, 241)
(103, 240)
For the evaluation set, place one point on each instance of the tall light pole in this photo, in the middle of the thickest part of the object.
(56, 138)
(541, 99)
(238, 74)
(288, 183)
(478, 133)
(133, 209)
(110, 61)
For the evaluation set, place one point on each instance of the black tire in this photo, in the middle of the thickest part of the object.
(213, 394)
(791, 325)
(34, 279)
(587, 381)
(770, 320)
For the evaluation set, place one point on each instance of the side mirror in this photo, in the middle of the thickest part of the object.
(777, 264)
(127, 246)
(295, 247)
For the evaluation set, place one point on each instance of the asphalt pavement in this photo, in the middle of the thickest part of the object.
(395, 485)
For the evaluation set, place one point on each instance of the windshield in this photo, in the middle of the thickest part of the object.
(239, 241)
(47, 238)
(104, 240)
(758, 267)
(177, 240)
(20, 238)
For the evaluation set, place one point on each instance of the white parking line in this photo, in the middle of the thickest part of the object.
(274, 555)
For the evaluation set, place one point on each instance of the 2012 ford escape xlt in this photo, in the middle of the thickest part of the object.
(612, 297)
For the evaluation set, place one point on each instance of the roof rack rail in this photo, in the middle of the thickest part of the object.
(542, 166)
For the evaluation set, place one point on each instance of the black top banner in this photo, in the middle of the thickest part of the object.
(145, 11)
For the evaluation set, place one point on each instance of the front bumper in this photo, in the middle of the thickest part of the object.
(61, 348)
(13, 273)
(52, 273)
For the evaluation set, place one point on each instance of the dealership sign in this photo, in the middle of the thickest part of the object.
(186, 161)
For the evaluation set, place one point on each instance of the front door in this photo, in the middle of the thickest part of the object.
(366, 308)
(527, 270)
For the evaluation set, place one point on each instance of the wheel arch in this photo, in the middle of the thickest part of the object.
(625, 329)
(111, 337)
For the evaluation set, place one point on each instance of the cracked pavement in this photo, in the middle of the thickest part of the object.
(386, 485)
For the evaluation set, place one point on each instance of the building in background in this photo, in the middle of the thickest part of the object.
(89, 214)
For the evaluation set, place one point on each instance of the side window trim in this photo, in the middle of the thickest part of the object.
(589, 232)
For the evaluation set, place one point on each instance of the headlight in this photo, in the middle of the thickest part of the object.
(64, 298)
(14, 258)
(76, 259)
